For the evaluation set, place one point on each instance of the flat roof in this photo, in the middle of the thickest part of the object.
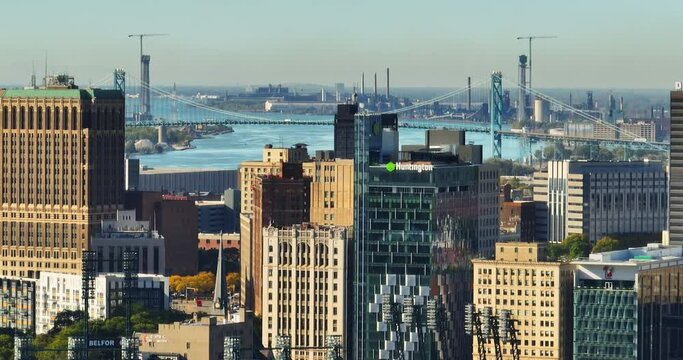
(83, 94)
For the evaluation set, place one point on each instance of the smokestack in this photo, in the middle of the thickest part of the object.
(469, 93)
(362, 83)
(387, 83)
(521, 103)
(621, 105)
(375, 84)
(570, 100)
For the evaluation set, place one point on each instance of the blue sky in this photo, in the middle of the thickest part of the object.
(603, 43)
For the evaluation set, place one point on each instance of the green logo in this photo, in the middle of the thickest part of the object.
(391, 166)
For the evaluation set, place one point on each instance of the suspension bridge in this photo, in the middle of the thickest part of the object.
(173, 110)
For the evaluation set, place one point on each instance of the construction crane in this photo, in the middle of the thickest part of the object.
(144, 35)
(530, 38)
(145, 97)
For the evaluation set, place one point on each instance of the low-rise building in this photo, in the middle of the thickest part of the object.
(537, 292)
(127, 233)
(57, 292)
(518, 218)
(212, 216)
(199, 339)
(17, 304)
(628, 304)
(209, 241)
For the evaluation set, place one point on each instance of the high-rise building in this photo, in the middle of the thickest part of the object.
(175, 218)
(62, 165)
(417, 224)
(18, 304)
(627, 304)
(676, 169)
(278, 201)
(538, 294)
(343, 130)
(331, 191)
(304, 286)
(273, 158)
(598, 198)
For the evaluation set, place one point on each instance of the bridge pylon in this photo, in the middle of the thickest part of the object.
(496, 114)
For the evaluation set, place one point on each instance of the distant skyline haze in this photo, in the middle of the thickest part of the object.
(434, 43)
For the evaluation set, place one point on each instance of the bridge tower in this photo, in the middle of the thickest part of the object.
(496, 113)
(120, 80)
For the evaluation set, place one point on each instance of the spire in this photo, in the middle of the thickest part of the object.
(220, 293)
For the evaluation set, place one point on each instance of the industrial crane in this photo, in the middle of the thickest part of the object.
(145, 99)
(144, 35)
(530, 38)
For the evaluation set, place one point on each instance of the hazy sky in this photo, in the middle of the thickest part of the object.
(601, 43)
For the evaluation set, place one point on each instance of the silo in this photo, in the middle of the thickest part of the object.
(541, 110)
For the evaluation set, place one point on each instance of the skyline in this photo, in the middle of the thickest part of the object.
(431, 45)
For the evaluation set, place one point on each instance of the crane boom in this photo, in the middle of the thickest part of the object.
(531, 38)
(144, 35)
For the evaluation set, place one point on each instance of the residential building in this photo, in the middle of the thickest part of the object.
(62, 173)
(175, 218)
(538, 294)
(638, 130)
(126, 233)
(57, 292)
(598, 198)
(273, 158)
(604, 130)
(627, 304)
(18, 304)
(199, 339)
(212, 216)
(278, 201)
(304, 262)
(180, 181)
(418, 222)
(209, 241)
(676, 169)
(331, 191)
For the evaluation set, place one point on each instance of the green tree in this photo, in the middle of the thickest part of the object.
(576, 246)
(556, 252)
(606, 243)
(6, 346)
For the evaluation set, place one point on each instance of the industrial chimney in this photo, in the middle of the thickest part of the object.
(387, 83)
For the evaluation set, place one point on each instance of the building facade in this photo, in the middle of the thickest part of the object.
(62, 165)
(209, 241)
(126, 233)
(627, 304)
(57, 292)
(598, 198)
(331, 191)
(200, 339)
(417, 224)
(187, 180)
(538, 294)
(273, 158)
(518, 218)
(212, 216)
(278, 202)
(18, 304)
(343, 131)
(304, 286)
(175, 218)
(676, 169)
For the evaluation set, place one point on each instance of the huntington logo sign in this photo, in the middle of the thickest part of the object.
(391, 167)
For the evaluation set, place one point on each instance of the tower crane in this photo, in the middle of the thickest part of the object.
(530, 38)
(144, 35)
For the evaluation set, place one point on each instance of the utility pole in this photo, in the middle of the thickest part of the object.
(531, 38)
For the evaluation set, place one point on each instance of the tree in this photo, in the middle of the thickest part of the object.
(576, 246)
(6, 346)
(232, 280)
(606, 243)
(203, 282)
(556, 252)
(65, 319)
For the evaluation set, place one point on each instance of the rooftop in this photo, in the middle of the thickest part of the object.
(651, 253)
(83, 94)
